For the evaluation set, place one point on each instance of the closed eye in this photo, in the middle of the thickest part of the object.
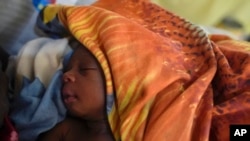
(85, 70)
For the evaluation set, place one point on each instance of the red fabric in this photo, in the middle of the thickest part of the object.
(8, 131)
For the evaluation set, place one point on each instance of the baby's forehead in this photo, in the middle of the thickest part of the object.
(82, 55)
(82, 51)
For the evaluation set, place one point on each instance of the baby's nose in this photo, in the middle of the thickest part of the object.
(68, 77)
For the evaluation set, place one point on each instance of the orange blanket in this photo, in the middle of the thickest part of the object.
(168, 79)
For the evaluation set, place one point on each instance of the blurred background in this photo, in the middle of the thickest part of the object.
(227, 16)
(215, 16)
(18, 19)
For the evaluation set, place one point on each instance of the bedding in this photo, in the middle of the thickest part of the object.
(37, 105)
(166, 79)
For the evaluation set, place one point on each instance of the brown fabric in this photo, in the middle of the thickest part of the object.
(231, 87)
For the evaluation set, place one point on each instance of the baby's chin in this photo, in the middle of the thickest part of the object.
(74, 113)
(81, 115)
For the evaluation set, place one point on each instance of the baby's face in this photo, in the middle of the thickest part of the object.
(83, 88)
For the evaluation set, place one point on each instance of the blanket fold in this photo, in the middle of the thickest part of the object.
(37, 106)
(168, 79)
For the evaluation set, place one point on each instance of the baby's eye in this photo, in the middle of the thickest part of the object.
(82, 69)
(85, 70)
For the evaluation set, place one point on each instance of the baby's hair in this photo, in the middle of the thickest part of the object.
(74, 43)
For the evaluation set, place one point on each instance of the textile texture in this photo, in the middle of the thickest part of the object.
(165, 78)
(37, 105)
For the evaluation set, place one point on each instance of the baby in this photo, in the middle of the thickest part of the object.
(83, 93)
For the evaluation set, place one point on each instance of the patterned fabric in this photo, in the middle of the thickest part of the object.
(168, 79)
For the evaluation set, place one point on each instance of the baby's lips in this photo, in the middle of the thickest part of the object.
(69, 99)
(68, 96)
(67, 93)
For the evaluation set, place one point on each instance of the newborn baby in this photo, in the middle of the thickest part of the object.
(83, 93)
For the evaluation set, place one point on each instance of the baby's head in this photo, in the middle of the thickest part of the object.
(83, 88)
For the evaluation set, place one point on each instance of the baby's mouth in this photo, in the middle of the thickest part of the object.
(68, 96)
(69, 99)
